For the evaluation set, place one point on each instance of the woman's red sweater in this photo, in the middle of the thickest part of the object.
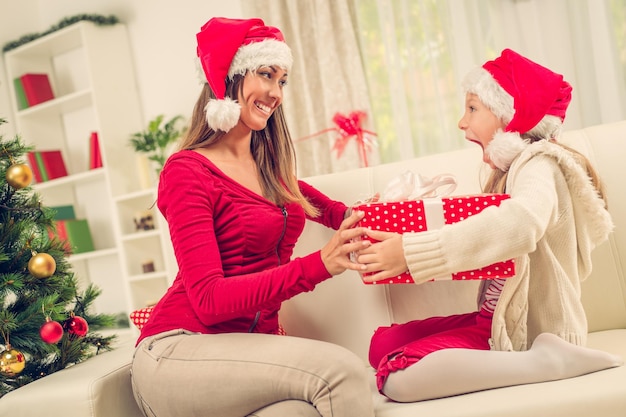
(233, 249)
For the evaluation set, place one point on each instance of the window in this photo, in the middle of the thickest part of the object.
(415, 53)
(413, 89)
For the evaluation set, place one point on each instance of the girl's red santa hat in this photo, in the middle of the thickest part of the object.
(234, 46)
(520, 92)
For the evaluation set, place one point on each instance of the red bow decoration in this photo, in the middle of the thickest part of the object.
(348, 127)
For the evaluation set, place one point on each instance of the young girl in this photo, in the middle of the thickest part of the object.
(234, 208)
(556, 215)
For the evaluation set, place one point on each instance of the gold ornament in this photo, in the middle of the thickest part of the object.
(42, 265)
(19, 176)
(12, 362)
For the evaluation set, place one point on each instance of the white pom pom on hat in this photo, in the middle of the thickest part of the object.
(222, 114)
(520, 91)
(504, 147)
(234, 46)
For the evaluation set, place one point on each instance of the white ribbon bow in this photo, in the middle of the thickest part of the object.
(409, 186)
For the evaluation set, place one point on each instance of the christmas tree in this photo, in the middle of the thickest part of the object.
(45, 322)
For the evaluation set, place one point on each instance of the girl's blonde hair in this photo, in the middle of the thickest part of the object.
(549, 128)
(271, 148)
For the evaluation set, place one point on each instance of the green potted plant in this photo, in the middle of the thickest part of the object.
(155, 141)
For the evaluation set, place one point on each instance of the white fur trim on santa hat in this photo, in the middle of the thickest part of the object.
(252, 57)
(504, 148)
(257, 54)
(222, 114)
(480, 82)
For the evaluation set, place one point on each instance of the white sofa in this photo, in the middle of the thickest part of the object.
(343, 310)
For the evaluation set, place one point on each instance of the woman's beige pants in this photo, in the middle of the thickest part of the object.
(182, 374)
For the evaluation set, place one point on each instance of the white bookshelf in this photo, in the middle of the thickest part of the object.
(91, 72)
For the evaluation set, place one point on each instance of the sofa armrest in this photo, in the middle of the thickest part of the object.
(98, 387)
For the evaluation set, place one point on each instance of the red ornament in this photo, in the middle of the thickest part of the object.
(76, 325)
(51, 331)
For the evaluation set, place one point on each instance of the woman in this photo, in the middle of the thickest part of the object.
(556, 215)
(235, 210)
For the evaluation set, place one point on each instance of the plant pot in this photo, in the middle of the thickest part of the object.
(146, 171)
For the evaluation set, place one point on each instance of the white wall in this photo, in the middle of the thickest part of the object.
(162, 36)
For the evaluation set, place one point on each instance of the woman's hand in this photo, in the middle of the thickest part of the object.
(372, 199)
(385, 257)
(336, 253)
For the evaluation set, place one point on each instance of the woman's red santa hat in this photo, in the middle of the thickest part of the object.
(521, 92)
(234, 46)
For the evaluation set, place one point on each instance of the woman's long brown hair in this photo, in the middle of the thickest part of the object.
(271, 148)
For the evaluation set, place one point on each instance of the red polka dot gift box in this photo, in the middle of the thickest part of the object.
(432, 214)
(140, 317)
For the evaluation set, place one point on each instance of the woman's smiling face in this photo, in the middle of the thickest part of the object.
(262, 93)
(479, 124)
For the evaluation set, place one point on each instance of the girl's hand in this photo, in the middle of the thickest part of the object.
(336, 253)
(385, 256)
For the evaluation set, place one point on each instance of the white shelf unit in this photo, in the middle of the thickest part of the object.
(91, 72)
(143, 246)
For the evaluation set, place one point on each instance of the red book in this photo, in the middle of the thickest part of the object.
(62, 235)
(60, 232)
(42, 168)
(74, 234)
(32, 161)
(98, 157)
(95, 157)
(22, 103)
(37, 88)
(53, 163)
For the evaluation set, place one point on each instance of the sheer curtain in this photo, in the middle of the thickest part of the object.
(402, 61)
(407, 46)
(327, 78)
(577, 38)
(426, 47)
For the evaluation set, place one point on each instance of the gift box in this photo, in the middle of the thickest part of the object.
(140, 317)
(432, 214)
